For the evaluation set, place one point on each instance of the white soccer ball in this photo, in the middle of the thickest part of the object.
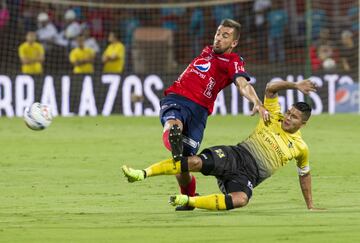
(329, 64)
(38, 116)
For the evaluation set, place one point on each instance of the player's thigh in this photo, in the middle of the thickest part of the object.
(192, 136)
(171, 110)
(194, 127)
(218, 161)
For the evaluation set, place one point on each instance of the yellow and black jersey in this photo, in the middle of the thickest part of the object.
(272, 147)
(80, 54)
(115, 66)
(31, 51)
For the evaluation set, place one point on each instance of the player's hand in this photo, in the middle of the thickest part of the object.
(265, 115)
(305, 86)
(311, 207)
(316, 209)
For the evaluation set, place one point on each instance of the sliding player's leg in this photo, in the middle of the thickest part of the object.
(224, 163)
(212, 202)
(165, 167)
(235, 193)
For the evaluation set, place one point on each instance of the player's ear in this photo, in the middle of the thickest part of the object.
(234, 43)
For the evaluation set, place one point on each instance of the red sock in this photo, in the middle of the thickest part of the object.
(190, 188)
(166, 140)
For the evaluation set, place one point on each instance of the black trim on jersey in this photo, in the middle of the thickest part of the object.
(241, 74)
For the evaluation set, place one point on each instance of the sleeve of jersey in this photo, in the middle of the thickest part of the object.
(237, 69)
(302, 162)
(272, 105)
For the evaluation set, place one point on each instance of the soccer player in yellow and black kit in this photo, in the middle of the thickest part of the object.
(82, 57)
(32, 55)
(114, 55)
(242, 167)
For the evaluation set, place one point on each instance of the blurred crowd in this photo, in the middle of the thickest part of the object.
(53, 37)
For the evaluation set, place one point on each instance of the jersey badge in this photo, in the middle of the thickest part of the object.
(220, 153)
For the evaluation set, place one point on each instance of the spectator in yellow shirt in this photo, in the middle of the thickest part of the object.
(31, 54)
(114, 55)
(82, 57)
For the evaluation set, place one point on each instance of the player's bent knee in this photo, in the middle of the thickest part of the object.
(172, 122)
(195, 163)
(240, 199)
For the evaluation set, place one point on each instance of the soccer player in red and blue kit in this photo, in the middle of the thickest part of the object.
(190, 99)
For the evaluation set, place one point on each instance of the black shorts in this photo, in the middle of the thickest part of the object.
(233, 166)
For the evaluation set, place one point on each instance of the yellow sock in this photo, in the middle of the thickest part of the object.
(211, 202)
(165, 167)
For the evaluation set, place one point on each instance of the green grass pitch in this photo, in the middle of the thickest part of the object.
(64, 185)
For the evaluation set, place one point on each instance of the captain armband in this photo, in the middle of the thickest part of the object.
(303, 171)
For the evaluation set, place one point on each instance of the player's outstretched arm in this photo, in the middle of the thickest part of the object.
(305, 86)
(305, 184)
(248, 91)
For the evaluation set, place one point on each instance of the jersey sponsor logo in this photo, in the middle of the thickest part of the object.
(201, 75)
(209, 87)
(202, 65)
(271, 142)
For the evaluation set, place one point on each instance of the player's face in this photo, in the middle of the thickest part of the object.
(293, 120)
(80, 41)
(224, 41)
(111, 38)
(30, 37)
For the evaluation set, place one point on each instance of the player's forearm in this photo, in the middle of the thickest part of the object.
(114, 58)
(25, 61)
(84, 61)
(30, 61)
(305, 184)
(247, 90)
(274, 87)
(39, 59)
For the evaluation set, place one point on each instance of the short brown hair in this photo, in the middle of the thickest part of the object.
(232, 24)
(304, 108)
